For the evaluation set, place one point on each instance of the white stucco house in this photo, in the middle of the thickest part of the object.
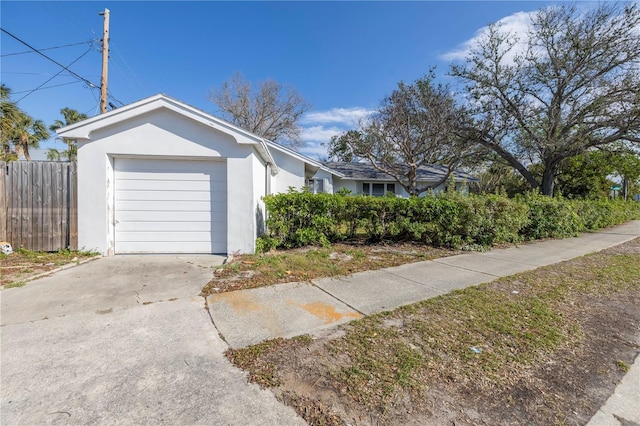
(160, 176)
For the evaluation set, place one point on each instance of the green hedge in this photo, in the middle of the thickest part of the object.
(298, 219)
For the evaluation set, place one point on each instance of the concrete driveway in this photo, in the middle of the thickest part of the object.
(123, 340)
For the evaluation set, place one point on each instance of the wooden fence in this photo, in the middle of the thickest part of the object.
(38, 205)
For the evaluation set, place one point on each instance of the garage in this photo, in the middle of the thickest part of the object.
(160, 176)
(170, 206)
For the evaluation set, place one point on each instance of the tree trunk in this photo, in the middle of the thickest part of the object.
(548, 180)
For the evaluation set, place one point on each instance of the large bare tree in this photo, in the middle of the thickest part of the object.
(415, 126)
(571, 84)
(271, 111)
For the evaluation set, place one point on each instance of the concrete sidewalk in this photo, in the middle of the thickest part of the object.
(250, 316)
(285, 310)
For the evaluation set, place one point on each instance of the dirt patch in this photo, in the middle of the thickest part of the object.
(542, 347)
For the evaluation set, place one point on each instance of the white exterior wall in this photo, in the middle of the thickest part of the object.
(355, 186)
(160, 134)
(291, 173)
(260, 178)
(327, 178)
(242, 200)
(346, 184)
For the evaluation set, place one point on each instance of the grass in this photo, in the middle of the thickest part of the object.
(262, 373)
(623, 366)
(16, 268)
(489, 335)
(250, 271)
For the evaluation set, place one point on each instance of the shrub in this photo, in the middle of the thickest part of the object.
(550, 217)
(448, 219)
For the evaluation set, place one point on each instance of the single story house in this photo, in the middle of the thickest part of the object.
(160, 176)
(364, 179)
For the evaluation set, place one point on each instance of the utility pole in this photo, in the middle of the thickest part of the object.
(105, 62)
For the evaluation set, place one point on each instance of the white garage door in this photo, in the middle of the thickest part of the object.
(170, 206)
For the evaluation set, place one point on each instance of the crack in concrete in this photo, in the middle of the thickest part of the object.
(437, 290)
(206, 308)
(338, 299)
(473, 270)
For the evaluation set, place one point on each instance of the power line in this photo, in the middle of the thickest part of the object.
(90, 84)
(109, 95)
(55, 75)
(48, 87)
(50, 48)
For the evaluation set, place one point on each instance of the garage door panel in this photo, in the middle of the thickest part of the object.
(204, 226)
(143, 216)
(183, 175)
(170, 206)
(172, 176)
(170, 237)
(164, 185)
(127, 195)
(153, 206)
(148, 164)
(170, 247)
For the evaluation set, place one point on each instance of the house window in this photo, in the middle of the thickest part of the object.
(378, 189)
(315, 186)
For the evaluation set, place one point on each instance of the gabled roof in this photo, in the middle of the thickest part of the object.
(317, 165)
(365, 171)
(84, 129)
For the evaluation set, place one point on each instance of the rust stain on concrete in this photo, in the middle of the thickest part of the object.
(239, 301)
(325, 312)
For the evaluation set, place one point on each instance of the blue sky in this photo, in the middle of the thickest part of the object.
(343, 57)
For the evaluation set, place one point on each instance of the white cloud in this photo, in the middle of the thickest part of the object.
(320, 133)
(515, 25)
(345, 116)
(318, 127)
(314, 150)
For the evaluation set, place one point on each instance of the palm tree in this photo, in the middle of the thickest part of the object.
(70, 116)
(27, 132)
(8, 114)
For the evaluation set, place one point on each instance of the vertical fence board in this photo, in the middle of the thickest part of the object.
(56, 184)
(22, 204)
(3, 201)
(32, 205)
(38, 205)
(63, 202)
(47, 196)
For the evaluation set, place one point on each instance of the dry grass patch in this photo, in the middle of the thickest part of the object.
(534, 348)
(22, 264)
(299, 265)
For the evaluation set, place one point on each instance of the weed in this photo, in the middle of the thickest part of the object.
(15, 284)
(622, 366)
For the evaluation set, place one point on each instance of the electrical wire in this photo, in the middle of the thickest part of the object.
(48, 87)
(126, 64)
(50, 48)
(109, 95)
(90, 84)
(55, 75)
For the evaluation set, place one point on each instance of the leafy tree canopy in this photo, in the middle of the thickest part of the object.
(572, 84)
(416, 125)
